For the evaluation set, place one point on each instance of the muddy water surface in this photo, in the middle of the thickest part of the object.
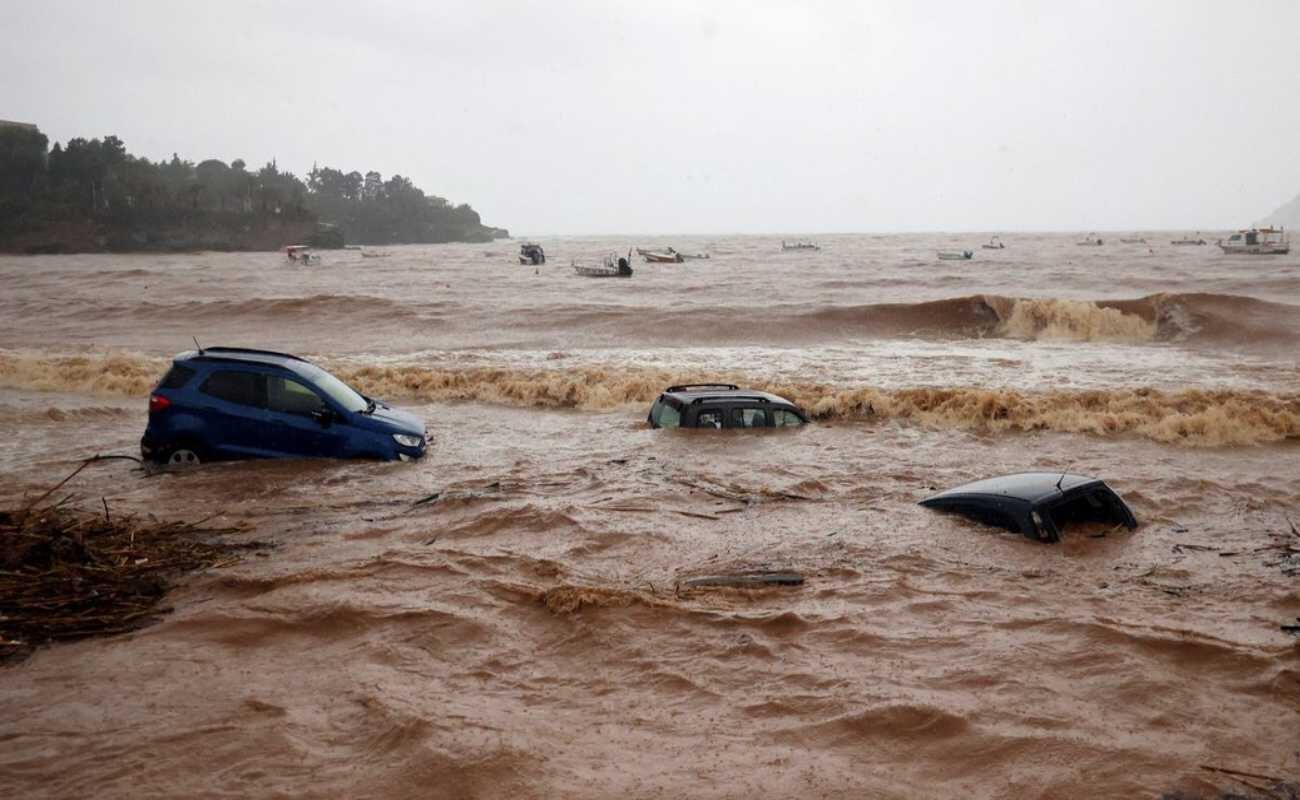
(526, 632)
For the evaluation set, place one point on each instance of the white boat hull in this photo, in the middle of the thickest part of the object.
(601, 272)
(1256, 249)
(1257, 242)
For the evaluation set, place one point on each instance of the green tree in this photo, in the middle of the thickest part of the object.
(213, 178)
(22, 169)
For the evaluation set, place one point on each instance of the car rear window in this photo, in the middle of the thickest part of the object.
(244, 388)
(176, 377)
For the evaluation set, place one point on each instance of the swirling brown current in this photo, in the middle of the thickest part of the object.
(527, 631)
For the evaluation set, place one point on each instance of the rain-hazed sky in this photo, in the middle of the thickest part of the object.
(680, 117)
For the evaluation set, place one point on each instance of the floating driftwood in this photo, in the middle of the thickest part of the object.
(67, 573)
(747, 579)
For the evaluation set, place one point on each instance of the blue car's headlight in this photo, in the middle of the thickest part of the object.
(407, 439)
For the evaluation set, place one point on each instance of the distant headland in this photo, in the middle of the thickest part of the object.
(94, 196)
(1287, 216)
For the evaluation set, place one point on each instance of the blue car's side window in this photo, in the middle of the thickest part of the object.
(291, 397)
(242, 388)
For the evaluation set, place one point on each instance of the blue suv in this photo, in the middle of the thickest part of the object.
(227, 402)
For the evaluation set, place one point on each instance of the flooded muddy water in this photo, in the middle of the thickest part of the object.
(527, 631)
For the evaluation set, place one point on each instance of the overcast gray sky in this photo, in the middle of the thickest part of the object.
(678, 117)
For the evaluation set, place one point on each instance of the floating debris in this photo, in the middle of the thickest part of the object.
(747, 579)
(67, 573)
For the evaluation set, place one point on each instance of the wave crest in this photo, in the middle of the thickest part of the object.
(1195, 417)
(1069, 320)
(1191, 417)
(105, 375)
(1212, 320)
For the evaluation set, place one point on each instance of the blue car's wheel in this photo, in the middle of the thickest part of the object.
(183, 455)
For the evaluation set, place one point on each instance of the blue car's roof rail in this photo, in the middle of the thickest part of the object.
(248, 351)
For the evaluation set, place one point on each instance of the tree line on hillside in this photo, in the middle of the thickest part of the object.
(98, 181)
(372, 209)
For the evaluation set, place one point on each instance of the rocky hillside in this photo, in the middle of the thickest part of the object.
(1288, 216)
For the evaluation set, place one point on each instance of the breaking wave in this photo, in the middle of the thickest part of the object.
(1202, 320)
(1210, 319)
(1192, 417)
(1070, 320)
(1195, 417)
(111, 375)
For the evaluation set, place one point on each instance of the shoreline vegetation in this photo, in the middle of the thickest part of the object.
(94, 196)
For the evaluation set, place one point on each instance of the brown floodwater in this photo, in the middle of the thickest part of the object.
(529, 632)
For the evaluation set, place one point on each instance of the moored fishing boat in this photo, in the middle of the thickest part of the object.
(301, 253)
(956, 255)
(994, 244)
(612, 267)
(799, 245)
(670, 256)
(1092, 240)
(1257, 242)
(530, 253)
(1189, 240)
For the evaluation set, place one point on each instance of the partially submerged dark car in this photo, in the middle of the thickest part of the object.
(1037, 504)
(722, 405)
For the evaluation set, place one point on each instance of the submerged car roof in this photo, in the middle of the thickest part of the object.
(246, 355)
(1014, 501)
(1028, 487)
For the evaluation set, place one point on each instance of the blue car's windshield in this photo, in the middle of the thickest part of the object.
(340, 392)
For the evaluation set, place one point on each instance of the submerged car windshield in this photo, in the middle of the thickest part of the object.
(340, 392)
(665, 414)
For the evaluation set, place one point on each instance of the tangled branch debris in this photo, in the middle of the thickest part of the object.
(66, 573)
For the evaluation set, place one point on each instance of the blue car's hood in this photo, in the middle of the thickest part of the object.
(390, 420)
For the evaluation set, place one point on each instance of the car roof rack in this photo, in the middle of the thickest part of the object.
(686, 387)
(248, 351)
(756, 398)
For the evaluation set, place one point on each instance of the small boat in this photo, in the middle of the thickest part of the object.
(799, 245)
(994, 244)
(1132, 241)
(669, 256)
(1187, 241)
(530, 253)
(301, 253)
(1257, 242)
(375, 254)
(956, 255)
(612, 267)
(1093, 240)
